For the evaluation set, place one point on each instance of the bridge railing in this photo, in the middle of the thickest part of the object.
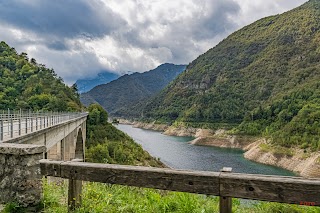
(17, 123)
(227, 185)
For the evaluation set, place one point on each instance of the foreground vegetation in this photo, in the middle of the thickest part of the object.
(114, 198)
(101, 198)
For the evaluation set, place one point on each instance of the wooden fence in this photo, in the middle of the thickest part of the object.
(293, 190)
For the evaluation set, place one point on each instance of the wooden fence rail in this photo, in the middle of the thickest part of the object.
(293, 190)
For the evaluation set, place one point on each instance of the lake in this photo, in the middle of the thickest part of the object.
(177, 153)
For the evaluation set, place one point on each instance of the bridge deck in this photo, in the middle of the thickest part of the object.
(17, 124)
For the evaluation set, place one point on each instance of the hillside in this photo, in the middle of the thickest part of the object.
(264, 78)
(86, 84)
(117, 96)
(106, 144)
(25, 84)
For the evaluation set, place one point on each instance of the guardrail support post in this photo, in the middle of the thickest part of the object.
(225, 202)
(11, 124)
(26, 125)
(19, 126)
(1, 130)
(74, 192)
(31, 124)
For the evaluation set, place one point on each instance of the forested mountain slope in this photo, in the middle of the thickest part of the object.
(117, 96)
(27, 85)
(265, 77)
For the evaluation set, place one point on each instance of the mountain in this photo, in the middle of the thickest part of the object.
(84, 85)
(25, 84)
(264, 79)
(117, 96)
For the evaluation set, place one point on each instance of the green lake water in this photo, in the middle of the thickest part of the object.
(177, 153)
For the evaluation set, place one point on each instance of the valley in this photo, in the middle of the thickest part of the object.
(160, 86)
(260, 86)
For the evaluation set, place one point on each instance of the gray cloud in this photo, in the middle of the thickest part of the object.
(207, 22)
(57, 45)
(62, 18)
(79, 38)
(216, 21)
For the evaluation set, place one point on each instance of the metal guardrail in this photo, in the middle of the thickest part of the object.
(14, 124)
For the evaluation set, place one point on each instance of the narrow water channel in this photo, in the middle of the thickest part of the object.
(177, 153)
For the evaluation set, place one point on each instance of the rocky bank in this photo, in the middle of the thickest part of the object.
(304, 163)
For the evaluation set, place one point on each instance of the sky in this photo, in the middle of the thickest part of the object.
(80, 38)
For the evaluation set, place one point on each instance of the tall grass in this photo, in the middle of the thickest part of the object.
(100, 198)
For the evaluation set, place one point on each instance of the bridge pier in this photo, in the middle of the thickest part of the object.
(71, 147)
(55, 152)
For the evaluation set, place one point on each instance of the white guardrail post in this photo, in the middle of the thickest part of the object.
(1, 129)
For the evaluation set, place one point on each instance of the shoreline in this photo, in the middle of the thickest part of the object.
(305, 164)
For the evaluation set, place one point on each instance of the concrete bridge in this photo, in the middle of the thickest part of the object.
(25, 139)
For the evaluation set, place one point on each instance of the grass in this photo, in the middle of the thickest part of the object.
(98, 197)
(101, 198)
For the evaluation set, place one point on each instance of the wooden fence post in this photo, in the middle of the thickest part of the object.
(225, 202)
(74, 192)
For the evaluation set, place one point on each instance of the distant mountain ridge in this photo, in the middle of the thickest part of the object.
(86, 84)
(121, 94)
(264, 78)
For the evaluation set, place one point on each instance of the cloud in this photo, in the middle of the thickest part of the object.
(62, 18)
(79, 38)
(165, 31)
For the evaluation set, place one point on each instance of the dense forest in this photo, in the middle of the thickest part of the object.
(25, 84)
(264, 79)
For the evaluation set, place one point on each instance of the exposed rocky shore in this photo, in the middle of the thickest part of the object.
(305, 164)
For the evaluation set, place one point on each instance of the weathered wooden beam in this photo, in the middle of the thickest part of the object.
(167, 179)
(50, 167)
(293, 190)
(158, 178)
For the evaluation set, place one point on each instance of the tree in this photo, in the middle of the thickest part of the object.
(97, 115)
